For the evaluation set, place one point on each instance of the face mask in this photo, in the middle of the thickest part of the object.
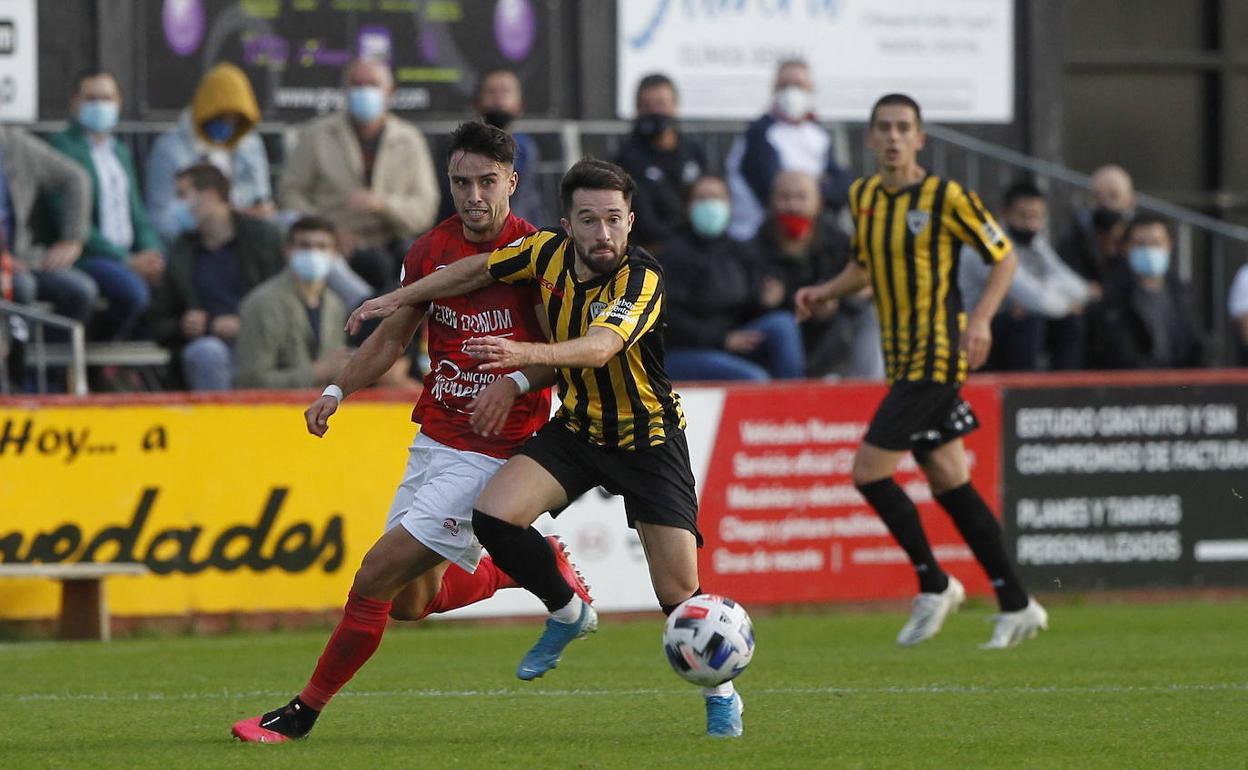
(1104, 219)
(649, 126)
(311, 265)
(219, 130)
(183, 217)
(793, 103)
(794, 227)
(1022, 237)
(1149, 261)
(500, 119)
(366, 103)
(98, 117)
(709, 217)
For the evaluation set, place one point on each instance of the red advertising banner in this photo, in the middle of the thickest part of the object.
(782, 520)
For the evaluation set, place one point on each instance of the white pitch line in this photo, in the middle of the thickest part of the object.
(933, 689)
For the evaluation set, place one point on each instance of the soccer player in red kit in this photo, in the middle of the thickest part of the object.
(429, 559)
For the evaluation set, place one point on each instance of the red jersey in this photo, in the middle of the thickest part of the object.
(499, 310)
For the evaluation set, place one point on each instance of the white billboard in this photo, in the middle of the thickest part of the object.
(956, 57)
(19, 72)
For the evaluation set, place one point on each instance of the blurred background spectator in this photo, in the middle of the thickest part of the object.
(368, 172)
(723, 321)
(1096, 230)
(1040, 323)
(661, 161)
(290, 330)
(220, 256)
(786, 138)
(218, 127)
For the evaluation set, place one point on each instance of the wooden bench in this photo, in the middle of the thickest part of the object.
(84, 606)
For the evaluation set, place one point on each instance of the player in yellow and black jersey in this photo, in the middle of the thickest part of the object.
(909, 227)
(620, 425)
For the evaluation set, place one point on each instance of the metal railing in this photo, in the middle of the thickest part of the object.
(35, 320)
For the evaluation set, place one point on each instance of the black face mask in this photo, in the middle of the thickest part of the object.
(650, 126)
(1104, 219)
(1020, 236)
(500, 119)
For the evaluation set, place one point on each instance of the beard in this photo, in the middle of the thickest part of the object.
(600, 264)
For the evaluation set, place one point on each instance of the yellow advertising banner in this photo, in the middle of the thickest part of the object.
(232, 506)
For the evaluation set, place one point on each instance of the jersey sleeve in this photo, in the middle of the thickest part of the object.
(416, 262)
(517, 261)
(636, 307)
(977, 228)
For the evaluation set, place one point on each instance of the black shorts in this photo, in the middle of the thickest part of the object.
(919, 417)
(656, 482)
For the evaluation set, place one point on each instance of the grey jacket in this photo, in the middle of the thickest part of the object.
(31, 167)
(274, 338)
(1043, 284)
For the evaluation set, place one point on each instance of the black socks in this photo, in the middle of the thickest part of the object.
(525, 555)
(982, 532)
(897, 511)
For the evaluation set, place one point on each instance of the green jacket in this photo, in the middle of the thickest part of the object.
(74, 143)
(260, 258)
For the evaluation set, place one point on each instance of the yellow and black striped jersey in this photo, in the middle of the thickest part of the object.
(628, 403)
(909, 240)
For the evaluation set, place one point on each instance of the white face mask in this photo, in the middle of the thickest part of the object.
(794, 103)
(311, 265)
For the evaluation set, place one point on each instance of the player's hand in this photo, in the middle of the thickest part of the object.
(977, 341)
(377, 307)
(743, 340)
(810, 301)
(498, 353)
(317, 415)
(492, 405)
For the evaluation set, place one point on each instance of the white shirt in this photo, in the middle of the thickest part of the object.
(1238, 301)
(114, 200)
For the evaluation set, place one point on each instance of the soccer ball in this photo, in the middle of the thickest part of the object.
(709, 639)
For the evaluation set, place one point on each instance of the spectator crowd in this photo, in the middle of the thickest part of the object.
(248, 283)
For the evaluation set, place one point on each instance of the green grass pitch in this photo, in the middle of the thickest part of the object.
(1110, 685)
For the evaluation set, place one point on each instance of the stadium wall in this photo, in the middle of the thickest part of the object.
(1104, 481)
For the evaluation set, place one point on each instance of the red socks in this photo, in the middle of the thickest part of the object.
(460, 588)
(353, 642)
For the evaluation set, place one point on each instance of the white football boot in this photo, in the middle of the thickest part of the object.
(929, 613)
(1013, 627)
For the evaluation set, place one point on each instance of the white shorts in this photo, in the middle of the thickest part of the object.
(434, 502)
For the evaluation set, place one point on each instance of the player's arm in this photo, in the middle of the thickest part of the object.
(978, 338)
(590, 351)
(811, 300)
(491, 407)
(466, 275)
(373, 359)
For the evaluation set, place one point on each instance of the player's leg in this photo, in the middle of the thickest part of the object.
(949, 476)
(394, 561)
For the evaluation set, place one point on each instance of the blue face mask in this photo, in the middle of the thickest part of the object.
(183, 217)
(1151, 261)
(219, 130)
(98, 117)
(709, 217)
(366, 103)
(311, 265)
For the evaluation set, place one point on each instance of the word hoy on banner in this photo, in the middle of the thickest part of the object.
(258, 546)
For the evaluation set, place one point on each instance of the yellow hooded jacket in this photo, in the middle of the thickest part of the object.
(225, 88)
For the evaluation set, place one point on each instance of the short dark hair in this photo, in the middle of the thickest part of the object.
(478, 138)
(1022, 189)
(205, 176)
(890, 100)
(703, 178)
(593, 174)
(311, 224)
(88, 73)
(491, 72)
(655, 80)
(1144, 219)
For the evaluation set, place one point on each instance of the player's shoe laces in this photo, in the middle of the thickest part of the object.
(294, 720)
(545, 654)
(569, 571)
(1014, 627)
(929, 613)
(723, 715)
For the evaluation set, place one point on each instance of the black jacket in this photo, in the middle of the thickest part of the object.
(712, 287)
(661, 178)
(826, 256)
(1119, 336)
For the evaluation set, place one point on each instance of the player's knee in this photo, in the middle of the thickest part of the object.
(407, 611)
(489, 529)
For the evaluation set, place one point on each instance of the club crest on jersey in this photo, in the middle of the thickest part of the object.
(596, 308)
(917, 221)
